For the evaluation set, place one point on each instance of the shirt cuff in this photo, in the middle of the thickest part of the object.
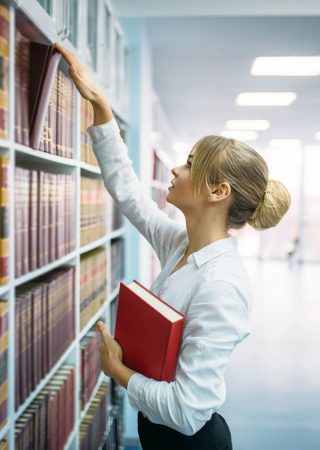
(135, 391)
(104, 131)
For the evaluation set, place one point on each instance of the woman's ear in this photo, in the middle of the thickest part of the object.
(219, 192)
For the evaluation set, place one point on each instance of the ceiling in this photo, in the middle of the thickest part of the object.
(202, 62)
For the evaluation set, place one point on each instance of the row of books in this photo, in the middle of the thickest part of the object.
(44, 218)
(89, 365)
(93, 425)
(86, 116)
(4, 216)
(93, 224)
(93, 283)
(114, 439)
(49, 420)
(44, 99)
(4, 71)
(117, 258)
(4, 330)
(49, 305)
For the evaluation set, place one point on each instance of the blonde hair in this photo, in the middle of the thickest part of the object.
(257, 201)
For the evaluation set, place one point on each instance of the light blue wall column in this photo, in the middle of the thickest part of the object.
(140, 82)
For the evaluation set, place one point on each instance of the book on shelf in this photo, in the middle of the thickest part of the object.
(4, 217)
(89, 365)
(44, 61)
(149, 332)
(49, 420)
(93, 283)
(93, 425)
(4, 332)
(49, 304)
(93, 210)
(44, 101)
(44, 218)
(4, 70)
(86, 113)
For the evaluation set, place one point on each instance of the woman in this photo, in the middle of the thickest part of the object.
(224, 184)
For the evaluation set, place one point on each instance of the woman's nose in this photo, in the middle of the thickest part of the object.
(174, 171)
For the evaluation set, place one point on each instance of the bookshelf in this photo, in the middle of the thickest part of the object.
(162, 140)
(66, 21)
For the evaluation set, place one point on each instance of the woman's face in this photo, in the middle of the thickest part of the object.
(181, 193)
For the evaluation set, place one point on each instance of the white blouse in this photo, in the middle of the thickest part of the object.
(212, 290)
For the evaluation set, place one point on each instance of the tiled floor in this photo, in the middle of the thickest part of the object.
(273, 377)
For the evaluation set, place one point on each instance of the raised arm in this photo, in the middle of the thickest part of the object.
(119, 177)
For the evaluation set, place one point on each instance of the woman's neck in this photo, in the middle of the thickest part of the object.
(200, 234)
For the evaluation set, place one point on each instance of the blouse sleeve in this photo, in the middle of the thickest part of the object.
(128, 192)
(218, 319)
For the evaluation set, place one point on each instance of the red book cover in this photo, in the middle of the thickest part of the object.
(149, 332)
(44, 62)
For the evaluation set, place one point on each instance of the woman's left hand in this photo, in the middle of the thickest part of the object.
(110, 352)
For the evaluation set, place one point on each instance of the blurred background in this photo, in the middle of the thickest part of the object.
(248, 70)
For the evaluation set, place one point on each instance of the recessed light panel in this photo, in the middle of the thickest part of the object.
(298, 66)
(266, 98)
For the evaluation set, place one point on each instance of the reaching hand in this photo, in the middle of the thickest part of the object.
(86, 85)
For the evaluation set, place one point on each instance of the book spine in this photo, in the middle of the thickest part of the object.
(4, 71)
(18, 96)
(4, 218)
(18, 222)
(33, 220)
(44, 97)
(24, 89)
(170, 361)
(25, 180)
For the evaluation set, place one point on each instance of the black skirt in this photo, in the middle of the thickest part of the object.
(214, 435)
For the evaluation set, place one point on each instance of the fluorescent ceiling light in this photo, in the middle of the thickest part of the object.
(247, 124)
(240, 135)
(301, 66)
(181, 147)
(265, 98)
(317, 136)
(292, 144)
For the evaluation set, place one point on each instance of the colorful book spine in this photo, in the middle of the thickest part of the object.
(86, 113)
(44, 218)
(49, 420)
(4, 331)
(89, 365)
(93, 283)
(4, 217)
(93, 425)
(93, 223)
(4, 71)
(22, 67)
(49, 304)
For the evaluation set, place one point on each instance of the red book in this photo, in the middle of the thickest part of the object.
(149, 332)
(44, 62)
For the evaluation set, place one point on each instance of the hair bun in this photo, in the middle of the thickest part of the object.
(275, 203)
